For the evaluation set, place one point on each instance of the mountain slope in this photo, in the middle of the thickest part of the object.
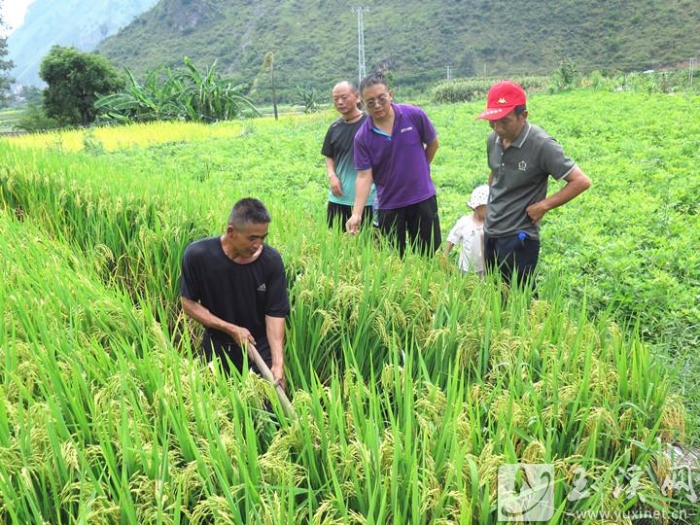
(79, 23)
(315, 41)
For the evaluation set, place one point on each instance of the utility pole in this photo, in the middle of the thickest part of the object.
(691, 68)
(360, 42)
(449, 72)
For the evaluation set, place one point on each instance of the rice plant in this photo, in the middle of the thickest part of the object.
(412, 385)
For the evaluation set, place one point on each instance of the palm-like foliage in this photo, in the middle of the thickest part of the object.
(309, 98)
(208, 97)
(158, 98)
(176, 95)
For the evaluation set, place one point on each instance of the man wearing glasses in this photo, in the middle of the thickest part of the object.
(394, 149)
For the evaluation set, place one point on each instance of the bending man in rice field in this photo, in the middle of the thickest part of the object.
(338, 150)
(235, 286)
(521, 158)
(394, 149)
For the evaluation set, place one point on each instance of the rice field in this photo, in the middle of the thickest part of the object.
(411, 385)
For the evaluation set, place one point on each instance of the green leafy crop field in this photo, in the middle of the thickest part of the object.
(412, 385)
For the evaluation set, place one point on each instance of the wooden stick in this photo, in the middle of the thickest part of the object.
(266, 373)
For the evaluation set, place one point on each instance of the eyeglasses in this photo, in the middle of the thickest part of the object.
(379, 101)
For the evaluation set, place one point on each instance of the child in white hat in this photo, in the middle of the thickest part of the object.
(468, 231)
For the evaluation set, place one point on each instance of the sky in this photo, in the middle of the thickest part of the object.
(13, 13)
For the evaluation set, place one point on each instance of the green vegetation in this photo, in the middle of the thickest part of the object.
(199, 96)
(74, 81)
(475, 89)
(309, 98)
(34, 119)
(5, 65)
(316, 42)
(9, 119)
(411, 384)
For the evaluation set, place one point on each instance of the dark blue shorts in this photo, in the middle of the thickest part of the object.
(512, 255)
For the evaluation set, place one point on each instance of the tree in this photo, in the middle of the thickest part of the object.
(5, 65)
(267, 67)
(565, 75)
(75, 80)
(33, 119)
(30, 95)
(270, 63)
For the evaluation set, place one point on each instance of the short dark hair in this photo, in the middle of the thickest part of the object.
(374, 78)
(519, 109)
(248, 211)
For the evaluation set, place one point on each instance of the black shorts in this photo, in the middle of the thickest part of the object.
(230, 354)
(417, 224)
(338, 215)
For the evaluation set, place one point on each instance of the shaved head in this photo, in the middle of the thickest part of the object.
(345, 98)
(345, 85)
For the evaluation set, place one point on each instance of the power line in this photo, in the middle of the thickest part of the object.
(360, 42)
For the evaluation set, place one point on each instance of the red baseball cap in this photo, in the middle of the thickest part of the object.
(502, 99)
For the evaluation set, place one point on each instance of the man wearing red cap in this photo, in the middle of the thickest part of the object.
(521, 159)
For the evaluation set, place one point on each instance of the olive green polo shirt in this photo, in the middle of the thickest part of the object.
(520, 177)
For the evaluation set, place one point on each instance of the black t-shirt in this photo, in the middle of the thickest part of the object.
(338, 145)
(339, 141)
(242, 294)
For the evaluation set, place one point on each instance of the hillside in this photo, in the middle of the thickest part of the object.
(79, 23)
(315, 42)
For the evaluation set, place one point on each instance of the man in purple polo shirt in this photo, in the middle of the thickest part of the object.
(394, 149)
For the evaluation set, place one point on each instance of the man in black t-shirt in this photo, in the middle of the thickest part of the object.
(338, 150)
(235, 286)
